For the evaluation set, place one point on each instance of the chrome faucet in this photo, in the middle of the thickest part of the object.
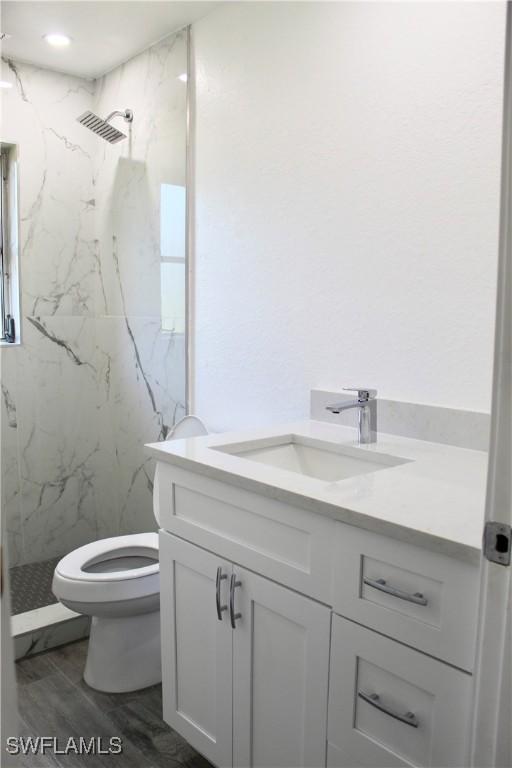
(367, 404)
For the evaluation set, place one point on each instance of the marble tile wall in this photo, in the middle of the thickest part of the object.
(95, 377)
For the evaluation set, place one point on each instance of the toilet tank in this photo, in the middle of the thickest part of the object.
(188, 426)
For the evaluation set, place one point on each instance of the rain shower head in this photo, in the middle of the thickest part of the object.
(103, 127)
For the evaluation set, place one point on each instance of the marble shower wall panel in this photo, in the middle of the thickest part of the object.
(49, 448)
(145, 391)
(56, 189)
(58, 438)
(11, 481)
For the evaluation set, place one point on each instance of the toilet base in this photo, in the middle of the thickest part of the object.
(124, 653)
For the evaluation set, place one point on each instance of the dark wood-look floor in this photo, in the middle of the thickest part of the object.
(53, 700)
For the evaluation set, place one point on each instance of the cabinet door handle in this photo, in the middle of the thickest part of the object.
(381, 585)
(220, 607)
(374, 699)
(234, 616)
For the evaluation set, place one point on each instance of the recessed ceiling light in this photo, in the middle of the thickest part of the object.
(58, 40)
(183, 77)
(5, 84)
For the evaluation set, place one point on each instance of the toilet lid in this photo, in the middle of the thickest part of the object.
(125, 548)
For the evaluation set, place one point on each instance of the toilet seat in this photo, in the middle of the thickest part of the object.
(71, 582)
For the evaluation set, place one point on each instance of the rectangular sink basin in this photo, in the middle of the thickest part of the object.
(315, 458)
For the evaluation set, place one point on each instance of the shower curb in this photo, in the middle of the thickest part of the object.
(48, 627)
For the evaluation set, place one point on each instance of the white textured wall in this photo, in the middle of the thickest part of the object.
(347, 202)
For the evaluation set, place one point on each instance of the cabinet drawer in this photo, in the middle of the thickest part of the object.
(392, 706)
(419, 597)
(286, 544)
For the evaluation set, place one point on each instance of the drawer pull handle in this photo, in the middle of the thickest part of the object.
(381, 585)
(233, 616)
(374, 699)
(220, 607)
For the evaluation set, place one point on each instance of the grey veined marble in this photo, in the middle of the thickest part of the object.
(96, 376)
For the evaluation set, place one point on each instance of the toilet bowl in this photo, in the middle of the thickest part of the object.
(116, 581)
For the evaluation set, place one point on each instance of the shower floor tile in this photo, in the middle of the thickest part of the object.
(31, 585)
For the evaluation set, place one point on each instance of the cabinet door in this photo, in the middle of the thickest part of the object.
(393, 706)
(196, 648)
(280, 675)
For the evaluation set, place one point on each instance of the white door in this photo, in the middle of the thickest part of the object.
(280, 675)
(196, 647)
(392, 706)
(492, 734)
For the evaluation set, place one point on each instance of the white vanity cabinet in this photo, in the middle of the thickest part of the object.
(252, 695)
(349, 648)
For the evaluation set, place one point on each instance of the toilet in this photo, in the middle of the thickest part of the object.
(116, 581)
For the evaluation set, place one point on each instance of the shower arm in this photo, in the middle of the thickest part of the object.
(127, 115)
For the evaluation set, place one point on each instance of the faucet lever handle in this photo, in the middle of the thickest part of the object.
(363, 393)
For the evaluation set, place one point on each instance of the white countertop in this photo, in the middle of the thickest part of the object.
(436, 500)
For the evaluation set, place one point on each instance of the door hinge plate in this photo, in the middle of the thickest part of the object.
(497, 542)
